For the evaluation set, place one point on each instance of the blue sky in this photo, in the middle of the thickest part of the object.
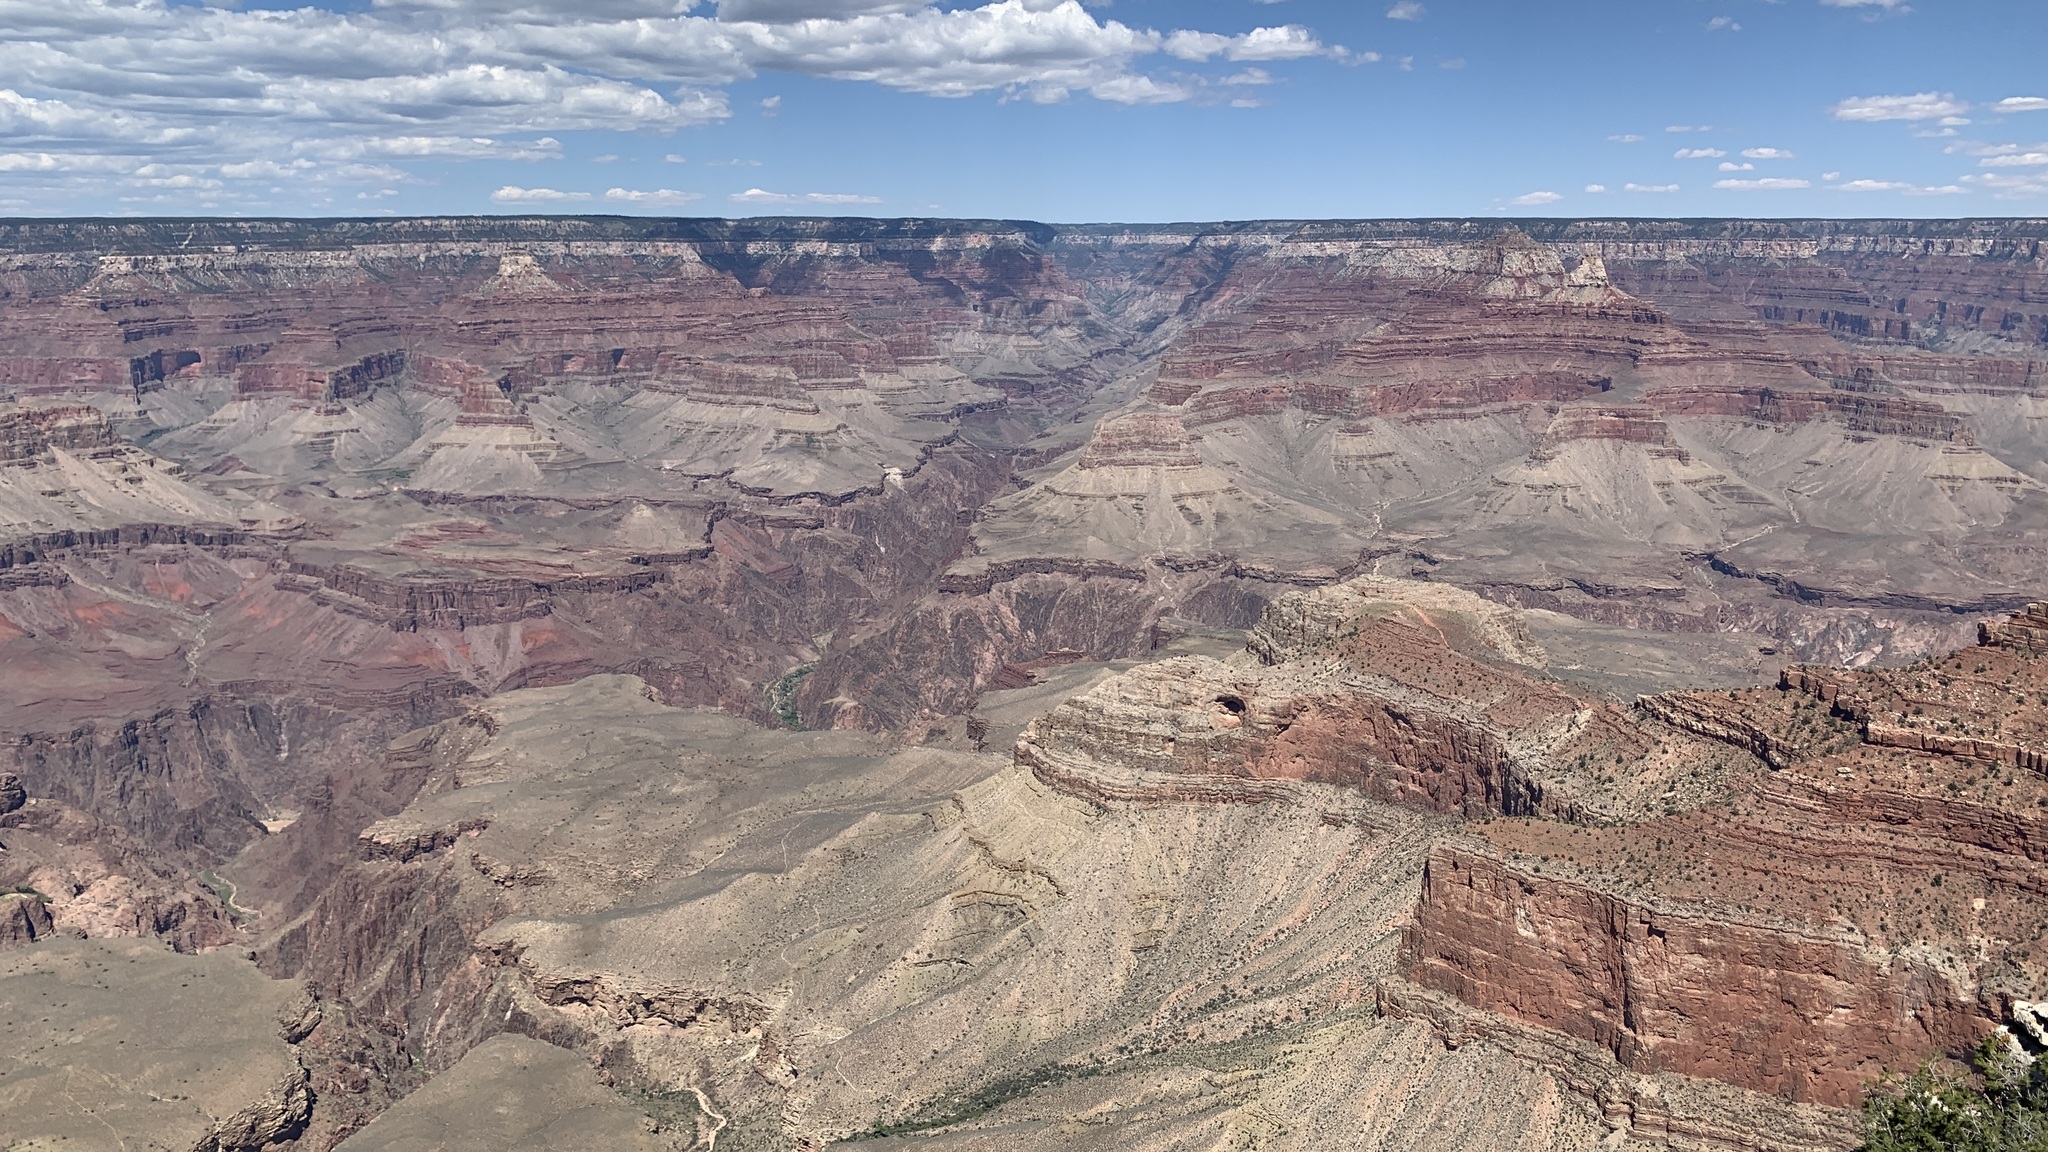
(1045, 109)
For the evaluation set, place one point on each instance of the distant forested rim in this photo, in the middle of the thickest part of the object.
(152, 236)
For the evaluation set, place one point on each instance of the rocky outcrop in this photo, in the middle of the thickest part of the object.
(2025, 632)
(1656, 1108)
(80, 877)
(24, 918)
(1810, 1016)
(303, 381)
(1858, 412)
(411, 601)
(275, 1118)
(27, 432)
(12, 793)
(1401, 690)
(1706, 714)
(169, 776)
(1965, 708)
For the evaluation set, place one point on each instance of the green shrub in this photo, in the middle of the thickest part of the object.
(2000, 1105)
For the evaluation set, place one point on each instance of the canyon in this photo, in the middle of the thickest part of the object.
(597, 682)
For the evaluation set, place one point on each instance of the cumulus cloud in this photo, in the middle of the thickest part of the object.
(1767, 184)
(404, 81)
(1922, 106)
(1406, 10)
(1626, 138)
(650, 196)
(1649, 187)
(2015, 186)
(1898, 6)
(513, 194)
(1698, 153)
(1723, 24)
(1284, 42)
(763, 196)
(1534, 198)
(1731, 166)
(1767, 154)
(2015, 160)
(786, 11)
(2022, 104)
(1596, 188)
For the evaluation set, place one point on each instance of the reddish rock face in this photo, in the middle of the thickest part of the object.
(1875, 900)
(1767, 1006)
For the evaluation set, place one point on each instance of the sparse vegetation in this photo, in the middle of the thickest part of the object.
(782, 697)
(225, 893)
(959, 1110)
(1999, 1105)
(24, 890)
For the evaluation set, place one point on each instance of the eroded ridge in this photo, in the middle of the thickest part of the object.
(1786, 890)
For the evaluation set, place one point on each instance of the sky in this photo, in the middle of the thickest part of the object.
(1054, 110)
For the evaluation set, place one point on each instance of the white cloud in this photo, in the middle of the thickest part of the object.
(1406, 10)
(1831, 176)
(651, 196)
(1284, 42)
(1649, 187)
(1731, 166)
(1534, 198)
(763, 196)
(1698, 153)
(675, 158)
(1767, 184)
(442, 148)
(1138, 90)
(1921, 106)
(264, 169)
(1046, 50)
(2022, 104)
(1688, 127)
(1899, 186)
(1767, 154)
(1596, 188)
(1629, 138)
(2015, 187)
(416, 81)
(785, 11)
(2015, 160)
(514, 194)
(1723, 24)
(1886, 5)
